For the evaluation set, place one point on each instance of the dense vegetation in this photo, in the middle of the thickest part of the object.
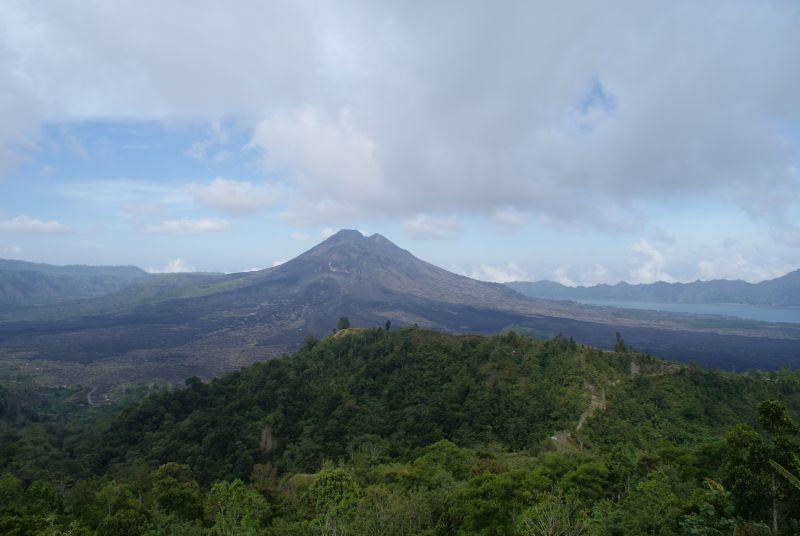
(413, 432)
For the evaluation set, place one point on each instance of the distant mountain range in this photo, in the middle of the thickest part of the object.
(181, 325)
(780, 292)
(31, 284)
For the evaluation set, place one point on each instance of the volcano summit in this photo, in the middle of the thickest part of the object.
(175, 326)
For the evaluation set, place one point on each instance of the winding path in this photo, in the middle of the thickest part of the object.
(89, 396)
(596, 401)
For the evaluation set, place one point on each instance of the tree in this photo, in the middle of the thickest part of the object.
(309, 342)
(388, 325)
(556, 515)
(235, 509)
(333, 491)
(793, 480)
(176, 491)
(343, 323)
(386, 510)
(331, 500)
(264, 479)
(116, 497)
(755, 464)
(711, 513)
(588, 481)
(490, 503)
(745, 469)
(774, 418)
(41, 497)
(652, 507)
(619, 345)
(129, 522)
(781, 431)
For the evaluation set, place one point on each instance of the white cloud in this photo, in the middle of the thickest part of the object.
(126, 192)
(658, 234)
(217, 137)
(652, 265)
(737, 266)
(222, 156)
(277, 263)
(568, 111)
(424, 227)
(10, 250)
(73, 144)
(186, 226)
(649, 263)
(299, 236)
(326, 233)
(729, 242)
(508, 218)
(586, 275)
(708, 270)
(174, 266)
(198, 149)
(500, 273)
(27, 224)
(233, 197)
(597, 273)
(560, 275)
(333, 163)
(564, 127)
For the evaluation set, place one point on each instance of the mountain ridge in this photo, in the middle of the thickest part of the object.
(27, 284)
(185, 325)
(779, 292)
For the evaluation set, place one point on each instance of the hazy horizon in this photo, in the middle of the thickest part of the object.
(178, 265)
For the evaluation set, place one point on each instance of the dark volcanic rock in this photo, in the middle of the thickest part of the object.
(175, 327)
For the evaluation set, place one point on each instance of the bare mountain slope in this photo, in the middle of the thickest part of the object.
(207, 325)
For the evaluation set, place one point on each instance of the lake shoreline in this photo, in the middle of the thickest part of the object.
(761, 313)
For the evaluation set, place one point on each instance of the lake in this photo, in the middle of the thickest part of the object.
(749, 312)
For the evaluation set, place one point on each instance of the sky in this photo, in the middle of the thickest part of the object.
(581, 142)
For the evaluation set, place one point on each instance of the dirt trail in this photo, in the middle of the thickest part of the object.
(597, 400)
(89, 396)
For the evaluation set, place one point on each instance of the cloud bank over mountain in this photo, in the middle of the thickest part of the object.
(571, 116)
(571, 113)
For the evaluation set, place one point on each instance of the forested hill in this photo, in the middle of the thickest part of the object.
(26, 284)
(412, 431)
(781, 291)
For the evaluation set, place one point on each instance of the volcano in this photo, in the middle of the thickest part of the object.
(174, 327)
